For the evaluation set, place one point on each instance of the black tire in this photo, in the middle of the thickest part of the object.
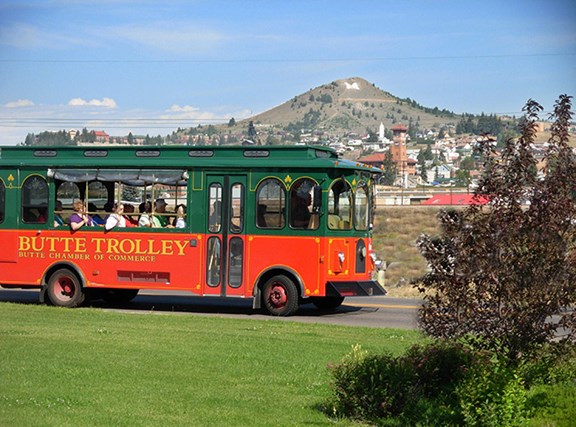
(119, 296)
(280, 296)
(64, 289)
(327, 303)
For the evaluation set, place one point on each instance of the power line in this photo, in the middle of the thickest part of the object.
(141, 122)
(106, 120)
(116, 123)
(279, 60)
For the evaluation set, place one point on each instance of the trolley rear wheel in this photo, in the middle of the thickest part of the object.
(280, 296)
(64, 289)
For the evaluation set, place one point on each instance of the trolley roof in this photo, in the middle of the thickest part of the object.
(134, 156)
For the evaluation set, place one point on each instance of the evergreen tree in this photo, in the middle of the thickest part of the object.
(467, 163)
(462, 178)
(390, 170)
(423, 168)
(427, 153)
(251, 131)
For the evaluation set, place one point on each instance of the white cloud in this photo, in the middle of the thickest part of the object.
(105, 102)
(19, 103)
(37, 118)
(175, 108)
(188, 112)
(182, 38)
(26, 36)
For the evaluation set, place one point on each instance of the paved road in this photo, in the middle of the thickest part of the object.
(375, 312)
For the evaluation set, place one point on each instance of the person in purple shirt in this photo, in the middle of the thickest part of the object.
(80, 218)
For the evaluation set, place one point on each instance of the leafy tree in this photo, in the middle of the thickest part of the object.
(467, 163)
(462, 178)
(131, 194)
(30, 139)
(49, 138)
(503, 275)
(231, 122)
(155, 140)
(211, 130)
(372, 136)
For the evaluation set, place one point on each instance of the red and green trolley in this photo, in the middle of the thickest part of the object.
(281, 225)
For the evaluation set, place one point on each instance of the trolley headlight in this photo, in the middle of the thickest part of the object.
(378, 263)
(341, 257)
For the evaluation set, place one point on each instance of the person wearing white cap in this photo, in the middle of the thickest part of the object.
(160, 220)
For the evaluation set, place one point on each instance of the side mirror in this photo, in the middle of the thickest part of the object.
(317, 193)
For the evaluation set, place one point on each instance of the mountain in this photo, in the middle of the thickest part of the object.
(350, 105)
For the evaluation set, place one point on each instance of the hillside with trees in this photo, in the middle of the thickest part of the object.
(346, 109)
(335, 110)
(351, 105)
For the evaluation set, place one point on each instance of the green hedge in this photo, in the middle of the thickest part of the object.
(447, 383)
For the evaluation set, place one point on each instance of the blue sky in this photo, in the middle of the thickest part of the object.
(153, 66)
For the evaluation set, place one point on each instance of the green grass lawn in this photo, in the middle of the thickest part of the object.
(61, 367)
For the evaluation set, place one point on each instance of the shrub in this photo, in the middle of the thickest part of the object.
(449, 383)
(554, 363)
(417, 386)
(372, 386)
(438, 366)
(492, 394)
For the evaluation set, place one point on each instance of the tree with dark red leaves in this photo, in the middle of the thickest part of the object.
(503, 275)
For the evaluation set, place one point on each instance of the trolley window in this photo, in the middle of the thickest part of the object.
(361, 217)
(35, 200)
(340, 205)
(271, 204)
(2, 201)
(301, 203)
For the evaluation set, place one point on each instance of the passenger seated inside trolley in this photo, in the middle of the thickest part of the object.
(80, 216)
(58, 220)
(116, 219)
(301, 202)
